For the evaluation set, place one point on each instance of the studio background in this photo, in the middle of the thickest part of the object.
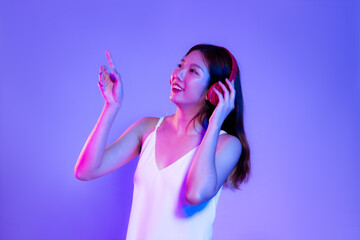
(299, 63)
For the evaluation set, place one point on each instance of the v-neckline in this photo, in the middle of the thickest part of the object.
(175, 162)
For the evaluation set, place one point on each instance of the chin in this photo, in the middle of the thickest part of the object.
(176, 100)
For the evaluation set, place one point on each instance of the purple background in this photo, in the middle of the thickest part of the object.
(300, 75)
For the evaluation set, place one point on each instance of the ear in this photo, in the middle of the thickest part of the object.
(206, 94)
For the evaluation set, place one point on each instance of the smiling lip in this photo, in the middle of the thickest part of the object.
(173, 87)
(176, 90)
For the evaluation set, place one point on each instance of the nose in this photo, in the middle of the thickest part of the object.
(180, 74)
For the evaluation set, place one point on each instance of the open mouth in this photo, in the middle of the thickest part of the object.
(176, 87)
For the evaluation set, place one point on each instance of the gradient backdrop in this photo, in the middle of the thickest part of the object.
(300, 75)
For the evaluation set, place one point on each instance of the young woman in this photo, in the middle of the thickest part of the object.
(185, 158)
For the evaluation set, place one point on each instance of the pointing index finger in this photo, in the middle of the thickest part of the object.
(111, 63)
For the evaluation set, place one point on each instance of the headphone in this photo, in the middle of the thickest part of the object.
(212, 96)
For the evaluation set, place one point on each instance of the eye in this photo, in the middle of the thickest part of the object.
(179, 65)
(193, 71)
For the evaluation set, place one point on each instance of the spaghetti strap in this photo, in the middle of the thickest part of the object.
(222, 131)
(162, 118)
(159, 122)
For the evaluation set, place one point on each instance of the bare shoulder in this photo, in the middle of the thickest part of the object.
(147, 125)
(228, 152)
(147, 122)
(230, 143)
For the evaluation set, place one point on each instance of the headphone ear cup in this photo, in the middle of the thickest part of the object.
(212, 96)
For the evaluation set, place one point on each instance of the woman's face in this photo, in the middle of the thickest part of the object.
(189, 81)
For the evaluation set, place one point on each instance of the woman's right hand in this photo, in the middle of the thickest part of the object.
(110, 84)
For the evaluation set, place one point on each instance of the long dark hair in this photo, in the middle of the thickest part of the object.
(219, 65)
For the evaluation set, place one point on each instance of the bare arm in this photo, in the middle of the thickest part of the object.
(214, 162)
(92, 153)
(94, 160)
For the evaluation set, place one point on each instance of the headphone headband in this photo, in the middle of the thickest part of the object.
(234, 66)
(212, 96)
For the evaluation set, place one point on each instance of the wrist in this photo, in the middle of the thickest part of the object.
(112, 106)
(214, 125)
(111, 109)
(215, 122)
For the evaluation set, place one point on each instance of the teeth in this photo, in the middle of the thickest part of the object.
(177, 87)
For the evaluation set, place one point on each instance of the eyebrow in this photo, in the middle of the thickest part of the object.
(182, 60)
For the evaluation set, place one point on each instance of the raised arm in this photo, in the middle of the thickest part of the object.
(92, 154)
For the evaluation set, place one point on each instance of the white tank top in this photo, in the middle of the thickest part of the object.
(159, 210)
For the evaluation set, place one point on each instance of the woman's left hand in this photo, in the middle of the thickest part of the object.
(225, 105)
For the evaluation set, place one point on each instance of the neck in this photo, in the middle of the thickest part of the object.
(181, 121)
